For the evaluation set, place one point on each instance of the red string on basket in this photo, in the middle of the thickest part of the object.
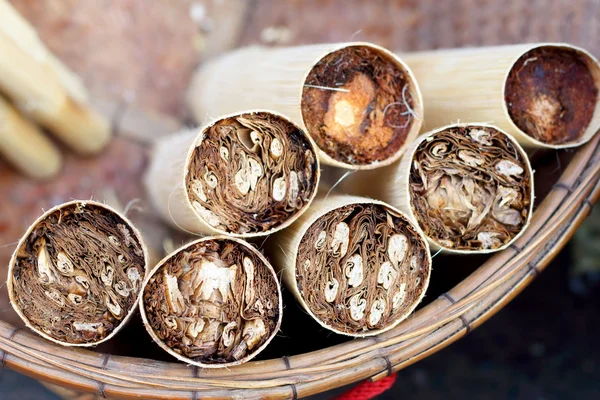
(368, 390)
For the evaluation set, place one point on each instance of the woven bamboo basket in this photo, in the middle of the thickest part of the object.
(443, 321)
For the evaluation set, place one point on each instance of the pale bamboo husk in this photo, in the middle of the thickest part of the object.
(467, 85)
(20, 31)
(391, 185)
(274, 78)
(186, 247)
(10, 280)
(165, 180)
(43, 88)
(23, 145)
(284, 246)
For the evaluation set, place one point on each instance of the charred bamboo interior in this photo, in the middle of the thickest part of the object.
(357, 104)
(362, 268)
(78, 273)
(251, 173)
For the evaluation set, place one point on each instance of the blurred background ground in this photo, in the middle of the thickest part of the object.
(139, 55)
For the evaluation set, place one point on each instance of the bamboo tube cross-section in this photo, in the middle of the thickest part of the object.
(357, 266)
(215, 302)
(77, 273)
(247, 174)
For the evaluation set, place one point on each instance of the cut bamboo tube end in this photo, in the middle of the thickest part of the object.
(358, 266)
(544, 94)
(359, 102)
(45, 90)
(214, 303)
(246, 174)
(469, 187)
(77, 273)
(25, 147)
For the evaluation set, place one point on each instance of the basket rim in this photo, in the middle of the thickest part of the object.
(443, 321)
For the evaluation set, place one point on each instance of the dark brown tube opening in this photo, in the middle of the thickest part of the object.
(551, 94)
(77, 275)
(362, 268)
(470, 188)
(358, 106)
(214, 302)
(251, 173)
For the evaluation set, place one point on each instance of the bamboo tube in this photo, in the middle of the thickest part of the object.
(77, 273)
(358, 266)
(246, 174)
(359, 102)
(469, 187)
(20, 31)
(25, 147)
(44, 89)
(214, 303)
(544, 94)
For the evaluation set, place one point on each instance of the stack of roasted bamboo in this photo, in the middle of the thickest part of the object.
(357, 265)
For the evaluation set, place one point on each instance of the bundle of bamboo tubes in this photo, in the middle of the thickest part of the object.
(246, 174)
(354, 253)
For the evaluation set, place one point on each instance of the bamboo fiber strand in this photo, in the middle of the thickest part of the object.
(178, 186)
